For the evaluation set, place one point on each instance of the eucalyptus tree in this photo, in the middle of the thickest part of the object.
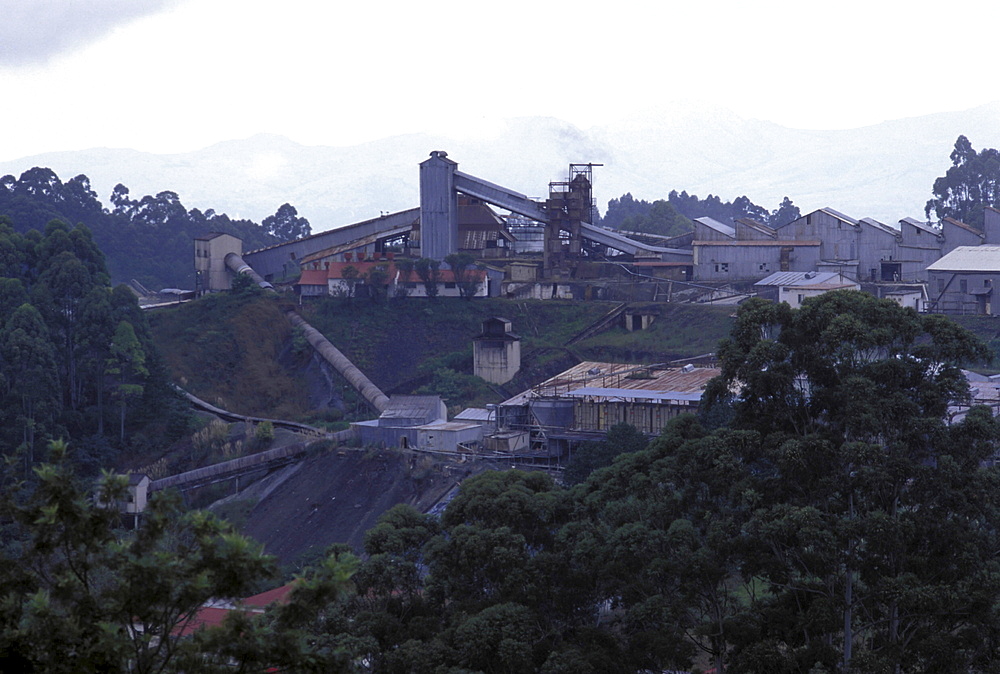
(861, 504)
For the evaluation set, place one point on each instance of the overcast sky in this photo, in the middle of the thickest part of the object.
(178, 75)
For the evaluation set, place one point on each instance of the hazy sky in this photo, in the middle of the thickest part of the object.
(177, 75)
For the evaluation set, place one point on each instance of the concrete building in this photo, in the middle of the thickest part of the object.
(496, 351)
(210, 251)
(449, 436)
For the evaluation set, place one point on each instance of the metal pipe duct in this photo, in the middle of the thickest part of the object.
(341, 364)
(236, 263)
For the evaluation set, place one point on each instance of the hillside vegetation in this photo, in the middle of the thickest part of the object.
(226, 349)
(241, 352)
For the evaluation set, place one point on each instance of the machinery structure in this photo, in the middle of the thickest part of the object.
(436, 228)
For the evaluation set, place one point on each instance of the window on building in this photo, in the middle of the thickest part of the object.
(963, 286)
(940, 285)
(722, 267)
(763, 266)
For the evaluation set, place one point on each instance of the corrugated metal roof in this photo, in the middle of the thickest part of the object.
(411, 407)
(840, 216)
(803, 279)
(969, 258)
(415, 212)
(758, 226)
(721, 228)
(629, 376)
(881, 226)
(352, 245)
(448, 426)
(474, 414)
(755, 243)
(633, 394)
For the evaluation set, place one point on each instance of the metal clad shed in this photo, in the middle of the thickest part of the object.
(408, 411)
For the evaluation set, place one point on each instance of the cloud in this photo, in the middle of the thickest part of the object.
(33, 31)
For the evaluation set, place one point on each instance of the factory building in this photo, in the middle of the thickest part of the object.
(583, 402)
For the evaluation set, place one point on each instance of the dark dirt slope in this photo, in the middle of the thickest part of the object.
(394, 343)
(335, 496)
(228, 351)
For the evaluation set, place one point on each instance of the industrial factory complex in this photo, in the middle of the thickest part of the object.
(513, 246)
(542, 249)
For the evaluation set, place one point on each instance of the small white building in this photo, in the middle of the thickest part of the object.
(448, 436)
(794, 287)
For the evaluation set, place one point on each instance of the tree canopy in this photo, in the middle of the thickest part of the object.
(673, 216)
(72, 348)
(81, 593)
(970, 184)
(149, 238)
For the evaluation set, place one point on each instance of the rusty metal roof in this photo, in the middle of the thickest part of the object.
(631, 376)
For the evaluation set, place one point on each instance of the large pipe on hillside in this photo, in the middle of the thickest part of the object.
(339, 361)
(236, 263)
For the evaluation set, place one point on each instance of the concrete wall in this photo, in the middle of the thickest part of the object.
(496, 360)
(210, 261)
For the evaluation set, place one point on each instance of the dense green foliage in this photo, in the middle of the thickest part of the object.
(76, 356)
(839, 523)
(970, 185)
(621, 439)
(673, 216)
(79, 593)
(149, 239)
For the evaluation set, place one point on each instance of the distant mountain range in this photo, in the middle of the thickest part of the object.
(885, 171)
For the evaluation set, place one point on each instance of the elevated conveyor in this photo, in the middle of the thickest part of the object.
(516, 202)
(620, 242)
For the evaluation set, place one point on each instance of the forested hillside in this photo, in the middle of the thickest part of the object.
(150, 239)
(77, 359)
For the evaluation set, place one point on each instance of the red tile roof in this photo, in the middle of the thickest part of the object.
(336, 271)
(278, 595)
(312, 277)
(212, 616)
(204, 617)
